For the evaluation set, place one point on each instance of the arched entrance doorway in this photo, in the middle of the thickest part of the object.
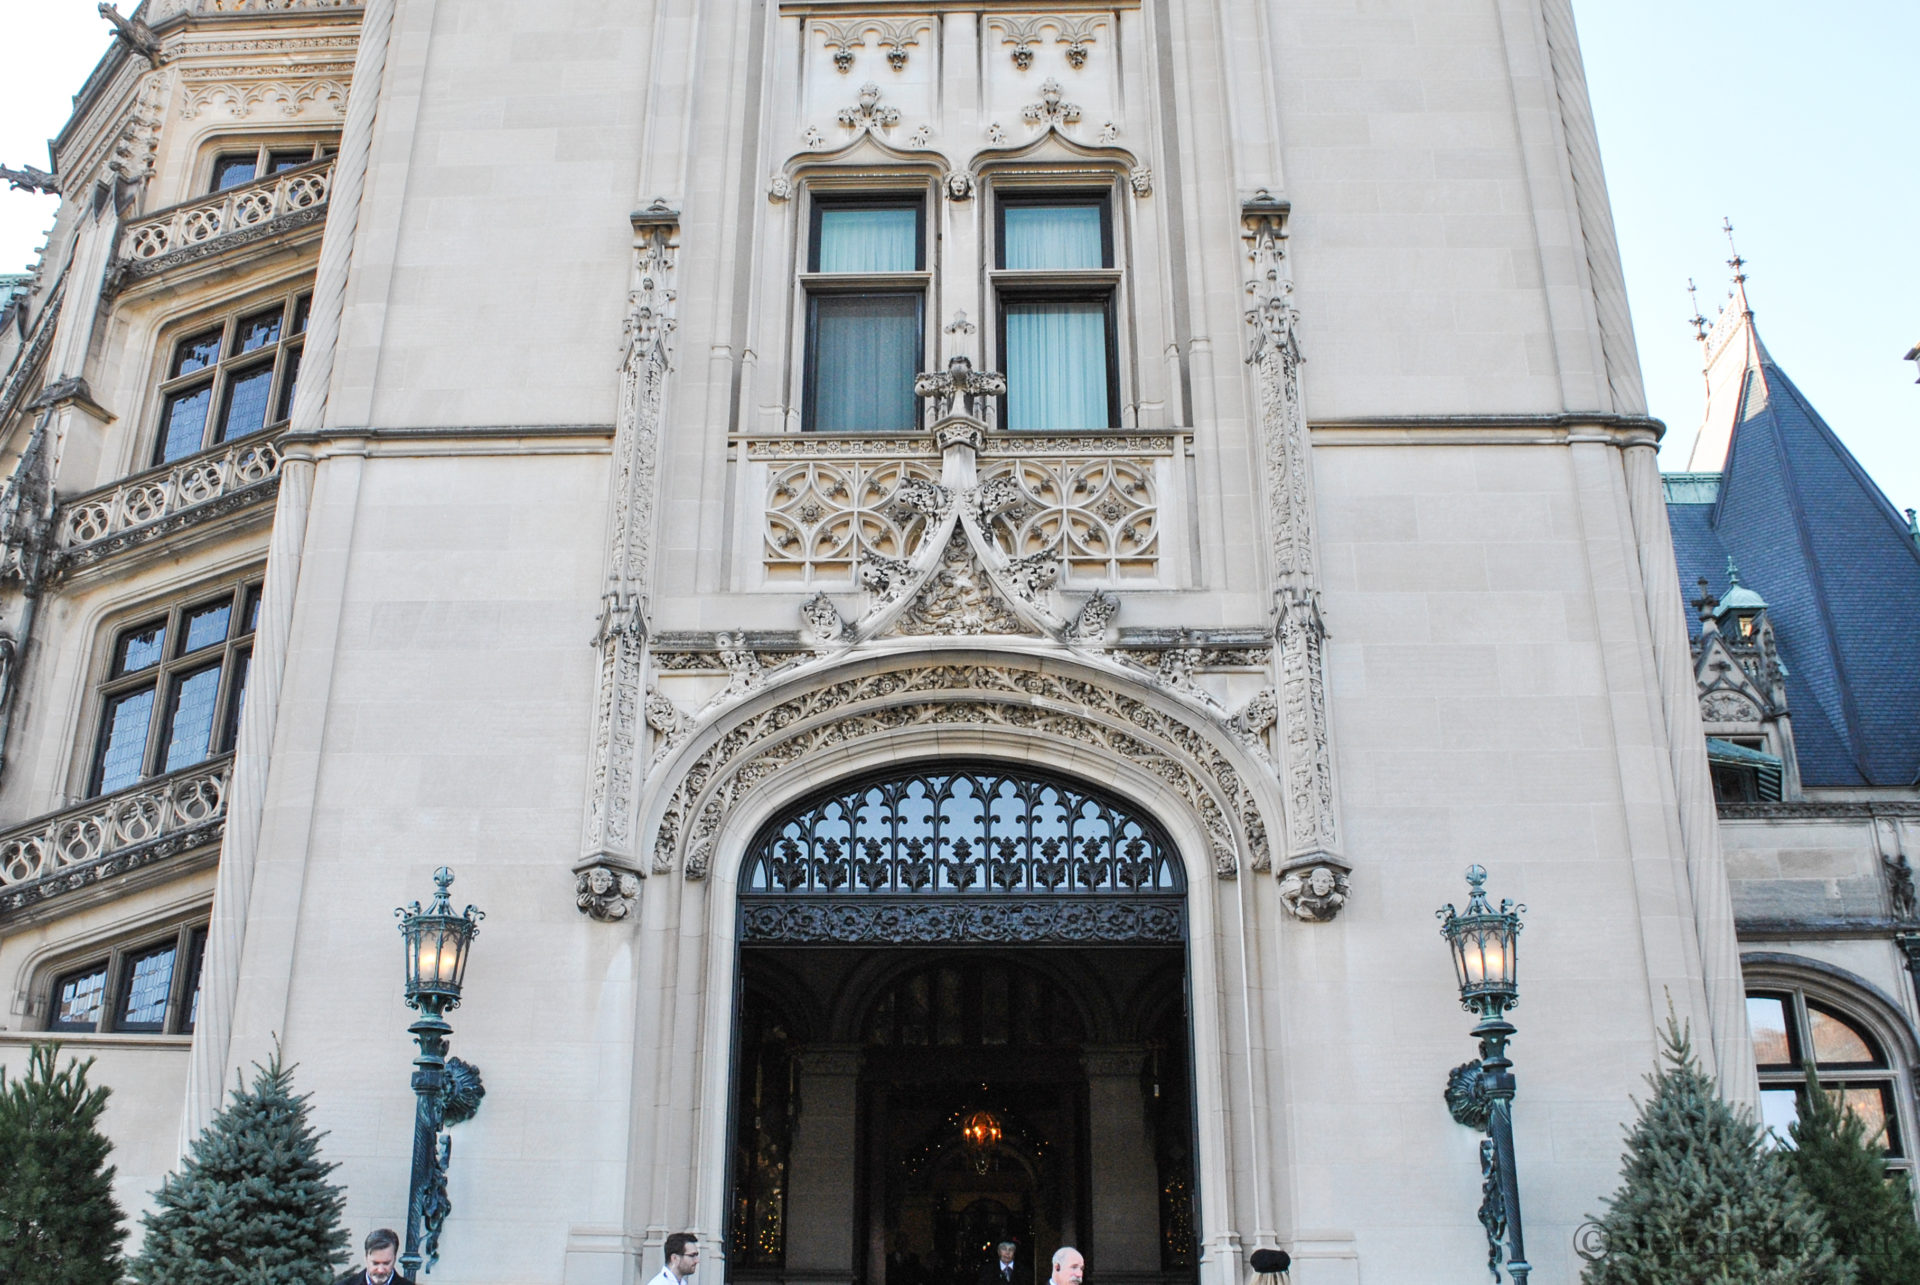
(962, 1019)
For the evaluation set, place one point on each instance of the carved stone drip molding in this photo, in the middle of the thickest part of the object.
(1314, 877)
(1192, 754)
(848, 38)
(1076, 33)
(606, 874)
(71, 849)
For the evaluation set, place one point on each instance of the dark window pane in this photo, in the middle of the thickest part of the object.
(77, 999)
(1057, 365)
(301, 307)
(123, 749)
(993, 1005)
(882, 240)
(949, 1020)
(866, 351)
(196, 352)
(1052, 236)
(1767, 1019)
(251, 617)
(278, 162)
(185, 423)
(140, 647)
(243, 666)
(246, 410)
(149, 985)
(196, 954)
(190, 721)
(207, 626)
(1837, 1040)
(288, 385)
(232, 171)
(259, 330)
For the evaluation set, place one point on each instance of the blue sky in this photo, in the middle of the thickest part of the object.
(1795, 120)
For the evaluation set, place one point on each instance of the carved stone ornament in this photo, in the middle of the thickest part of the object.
(1314, 895)
(996, 134)
(29, 179)
(844, 38)
(1306, 754)
(1901, 898)
(1186, 751)
(1142, 180)
(820, 620)
(1096, 614)
(959, 598)
(1052, 111)
(869, 115)
(1024, 33)
(779, 188)
(605, 893)
(960, 186)
(960, 385)
(621, 703)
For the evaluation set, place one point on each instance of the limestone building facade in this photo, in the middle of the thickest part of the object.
(960, 580)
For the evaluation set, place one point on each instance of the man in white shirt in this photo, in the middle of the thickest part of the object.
(683, 1255)
(1069, 1268)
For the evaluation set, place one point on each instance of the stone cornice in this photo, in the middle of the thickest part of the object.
(1826, 810)
(1488, 430)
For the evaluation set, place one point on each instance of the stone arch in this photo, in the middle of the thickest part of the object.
(1075, 708)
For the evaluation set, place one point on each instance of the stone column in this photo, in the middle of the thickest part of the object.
(820, 1165)
(1124, 1223)
(247, 791)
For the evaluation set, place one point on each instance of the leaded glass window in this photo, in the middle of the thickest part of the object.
(231, 378)
(174, 688)
(149, 986)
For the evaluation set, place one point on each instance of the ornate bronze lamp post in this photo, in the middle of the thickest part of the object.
(1480, 1093)
(448, 1089)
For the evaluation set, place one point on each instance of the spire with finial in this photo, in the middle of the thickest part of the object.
(1913, 526)
(1698, 322)
(1730, 351)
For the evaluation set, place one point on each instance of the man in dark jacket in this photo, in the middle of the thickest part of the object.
(1003, 1270)
(383, 1247)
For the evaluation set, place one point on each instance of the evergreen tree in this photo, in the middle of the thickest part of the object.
(58, 1222)
(1868, 1218)
(251, 1204)
(1705, 1200)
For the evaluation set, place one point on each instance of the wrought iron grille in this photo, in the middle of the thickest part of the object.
(964, 854)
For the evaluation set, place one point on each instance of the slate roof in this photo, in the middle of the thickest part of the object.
(1813, 535)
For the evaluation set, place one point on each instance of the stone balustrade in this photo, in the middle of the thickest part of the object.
(147, 505)
(208, 219)
(828, 504)
(67, 850)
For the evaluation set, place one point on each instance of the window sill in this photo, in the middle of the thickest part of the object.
(94, 1040)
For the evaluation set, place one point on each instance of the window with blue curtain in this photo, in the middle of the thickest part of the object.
(1056, 338)
(864, 344)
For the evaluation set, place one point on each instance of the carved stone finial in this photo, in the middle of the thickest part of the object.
(960, 382)
(1314, 895)
(605, 893)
